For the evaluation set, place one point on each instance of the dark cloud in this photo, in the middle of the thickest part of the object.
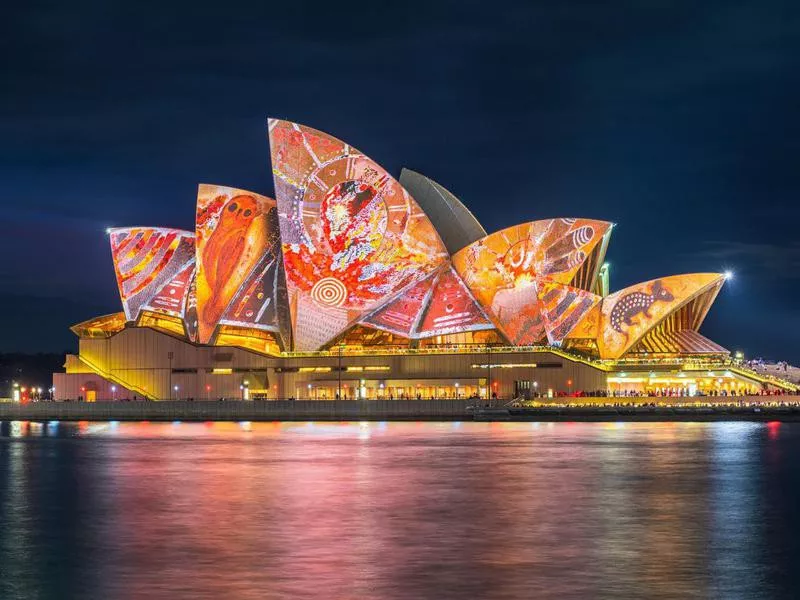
(677, 120)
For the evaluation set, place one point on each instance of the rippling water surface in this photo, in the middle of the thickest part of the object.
(399, 510)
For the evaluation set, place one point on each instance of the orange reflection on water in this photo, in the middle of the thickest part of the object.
(393, 510)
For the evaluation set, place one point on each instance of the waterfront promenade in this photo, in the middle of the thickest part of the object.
(748, 408)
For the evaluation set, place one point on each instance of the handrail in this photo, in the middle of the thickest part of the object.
(115, 379)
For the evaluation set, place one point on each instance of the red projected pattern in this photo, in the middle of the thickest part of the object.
(438, 305)
(504, 270)
(352, 236)
(400, 316)
(452, 309)
(150, 264)
(171, 299)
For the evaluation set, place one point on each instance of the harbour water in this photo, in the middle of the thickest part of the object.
(399, 510)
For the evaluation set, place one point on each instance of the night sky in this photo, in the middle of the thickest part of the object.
(677, 120)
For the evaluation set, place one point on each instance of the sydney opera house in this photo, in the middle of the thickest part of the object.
(353, 284)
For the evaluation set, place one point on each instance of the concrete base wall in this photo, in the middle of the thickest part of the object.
(369, 410)
(231, 410)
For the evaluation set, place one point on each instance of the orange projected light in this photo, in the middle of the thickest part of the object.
(238, 260)
(346, 255)
(505, 269)
(563, 308)
(630, 313)
(352, 236)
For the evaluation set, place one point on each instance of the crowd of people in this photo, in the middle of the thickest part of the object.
(780, 369)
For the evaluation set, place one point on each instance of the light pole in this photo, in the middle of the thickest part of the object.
(456, 390)
(536, 388)
(488, 371)
(170, 356)
(114, 393)
(339, 370)
(177, 397)
(309, 391)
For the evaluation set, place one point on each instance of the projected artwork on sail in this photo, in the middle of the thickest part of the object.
(630, 313)
(239, 267)
(151, 265)
(352, 236)
(504, 270)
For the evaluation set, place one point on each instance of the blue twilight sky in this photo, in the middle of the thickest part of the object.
(677, 120)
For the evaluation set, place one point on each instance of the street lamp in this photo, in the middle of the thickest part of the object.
(536, 388)
(309, 391)
(176, 393)
(114, 392)
(488, 371)
(339, 371)
(170, 356)
(456, 389)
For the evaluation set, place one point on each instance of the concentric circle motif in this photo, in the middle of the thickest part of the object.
(583, 235)
(329, 291)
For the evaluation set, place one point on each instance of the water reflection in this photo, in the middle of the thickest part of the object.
(397, 510)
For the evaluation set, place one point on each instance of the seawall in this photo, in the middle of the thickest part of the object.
(386, 410)
(237, 410)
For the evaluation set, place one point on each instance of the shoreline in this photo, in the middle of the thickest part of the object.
(389, 410)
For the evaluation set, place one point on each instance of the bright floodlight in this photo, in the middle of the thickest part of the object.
(728, 275)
